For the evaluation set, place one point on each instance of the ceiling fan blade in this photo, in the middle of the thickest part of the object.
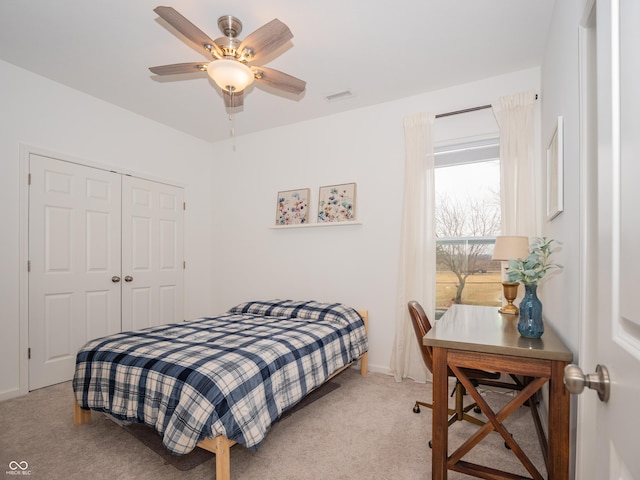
(277, 79)
(233, 100)
(264, 40)
(178, 68)
(188, 29)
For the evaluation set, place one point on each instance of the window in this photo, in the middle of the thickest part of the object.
(467, 187)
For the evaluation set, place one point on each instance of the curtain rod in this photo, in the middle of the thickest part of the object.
(466, 110)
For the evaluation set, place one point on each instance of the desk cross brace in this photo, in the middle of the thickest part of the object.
(495, 423)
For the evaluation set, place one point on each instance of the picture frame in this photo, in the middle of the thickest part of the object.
(337, 203)
(292, 207)
(555, 172)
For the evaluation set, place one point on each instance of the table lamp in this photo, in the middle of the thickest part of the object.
(510, 248)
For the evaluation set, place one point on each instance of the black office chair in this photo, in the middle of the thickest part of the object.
(421, 326)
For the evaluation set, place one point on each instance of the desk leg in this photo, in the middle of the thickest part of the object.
(559, 405)
(440, 403)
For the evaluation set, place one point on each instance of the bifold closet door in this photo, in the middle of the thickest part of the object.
(105, 254)
(75, 263)
(152, 253)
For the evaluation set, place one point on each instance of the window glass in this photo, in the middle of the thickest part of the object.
(467, 184)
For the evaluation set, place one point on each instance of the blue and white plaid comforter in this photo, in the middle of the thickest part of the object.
(234, 374)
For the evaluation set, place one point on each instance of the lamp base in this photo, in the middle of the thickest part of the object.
(509, 309)
(510, 291)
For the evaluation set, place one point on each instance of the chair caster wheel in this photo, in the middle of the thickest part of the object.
(477, 410)
(430, 444)
(416, 409)
(506, 445)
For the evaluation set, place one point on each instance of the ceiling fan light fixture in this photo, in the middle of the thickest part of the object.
(228, 68)
(230, 75)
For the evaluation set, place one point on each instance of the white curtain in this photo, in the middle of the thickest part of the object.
(416, 276)
(518, 173)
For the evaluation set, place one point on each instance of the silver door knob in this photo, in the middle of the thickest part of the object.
(115, 279)
(128, 278)
(575, 380)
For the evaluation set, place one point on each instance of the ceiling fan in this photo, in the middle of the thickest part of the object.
(231, 65)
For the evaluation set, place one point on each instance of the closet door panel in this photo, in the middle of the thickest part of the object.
(74, 251)
(153, 252)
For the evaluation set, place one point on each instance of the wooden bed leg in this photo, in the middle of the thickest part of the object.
(364, 359)
(221, 447)
(364, 363)
(80, 415)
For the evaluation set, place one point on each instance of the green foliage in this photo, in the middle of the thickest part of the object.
(532, 269)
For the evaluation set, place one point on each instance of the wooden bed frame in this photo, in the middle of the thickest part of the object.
(220, 446)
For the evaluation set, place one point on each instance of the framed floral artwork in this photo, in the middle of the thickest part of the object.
(337, 203)
(292, 207)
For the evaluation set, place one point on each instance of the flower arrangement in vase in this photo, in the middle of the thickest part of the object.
(530, 271)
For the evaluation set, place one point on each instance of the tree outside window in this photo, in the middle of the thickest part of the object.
(467, 221)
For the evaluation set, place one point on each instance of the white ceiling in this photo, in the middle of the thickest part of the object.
(380, 50)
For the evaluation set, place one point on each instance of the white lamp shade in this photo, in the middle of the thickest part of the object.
(511, 248)
(230, 75)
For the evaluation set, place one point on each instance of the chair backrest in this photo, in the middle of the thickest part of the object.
(421, 326)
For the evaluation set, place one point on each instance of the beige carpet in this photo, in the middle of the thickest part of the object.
(365, 429)
(149, 437)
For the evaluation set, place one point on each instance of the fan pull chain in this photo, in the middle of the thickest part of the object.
(232, 130)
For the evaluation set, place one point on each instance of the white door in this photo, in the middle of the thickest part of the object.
(152, 256)
(74, 251)
(608, 433)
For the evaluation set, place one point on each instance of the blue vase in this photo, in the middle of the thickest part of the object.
(530, 322)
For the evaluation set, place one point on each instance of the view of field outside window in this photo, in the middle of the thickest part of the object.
(467, 222)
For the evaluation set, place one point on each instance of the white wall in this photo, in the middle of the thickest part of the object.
(38, 113)
(560, 82)
(356, 265)
(231, 187)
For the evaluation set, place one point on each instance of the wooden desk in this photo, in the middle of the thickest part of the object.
(480, 337)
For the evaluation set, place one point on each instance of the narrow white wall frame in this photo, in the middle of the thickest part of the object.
(555, 172)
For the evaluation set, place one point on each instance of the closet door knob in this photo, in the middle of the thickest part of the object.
(115, 279)
(128, 278)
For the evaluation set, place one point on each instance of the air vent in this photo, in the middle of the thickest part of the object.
(339, 96)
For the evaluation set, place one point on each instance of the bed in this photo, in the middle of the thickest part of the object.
(217, 381)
